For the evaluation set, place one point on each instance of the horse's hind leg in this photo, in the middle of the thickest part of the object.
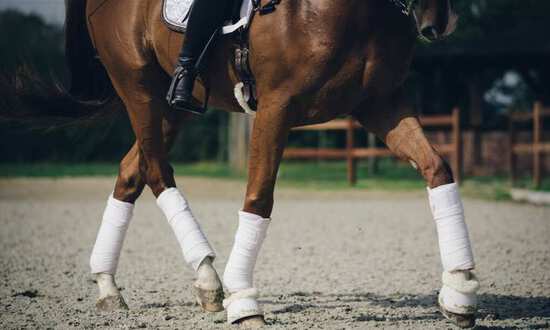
(146, 108)
(401, 131)
(116, 218)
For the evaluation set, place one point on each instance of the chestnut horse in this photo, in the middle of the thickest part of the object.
(313, 60)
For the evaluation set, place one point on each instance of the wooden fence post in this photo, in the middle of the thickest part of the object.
(457, 141)
(372, 162)
(240, 127)
(537, 123)
(511, 153)
(352, 168)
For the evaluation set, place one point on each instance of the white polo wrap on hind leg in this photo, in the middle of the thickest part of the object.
(238, 275)
(193, 242)
(458, 294)
(106, 252)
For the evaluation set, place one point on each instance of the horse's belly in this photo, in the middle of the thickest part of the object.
(337, 97)
(348, 90)
(328, 108)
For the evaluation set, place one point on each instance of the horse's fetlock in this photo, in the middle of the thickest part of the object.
(437, 171)
(259, 204)
(155, 182)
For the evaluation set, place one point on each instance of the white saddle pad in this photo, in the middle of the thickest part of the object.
(176, 13)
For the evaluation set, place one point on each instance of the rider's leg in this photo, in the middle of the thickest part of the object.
(205, 18)
(400, 129)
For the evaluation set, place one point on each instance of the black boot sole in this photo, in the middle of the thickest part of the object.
(183, 105)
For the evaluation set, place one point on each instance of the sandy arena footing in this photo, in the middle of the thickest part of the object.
(332, 260)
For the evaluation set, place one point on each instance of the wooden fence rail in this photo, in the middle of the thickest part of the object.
(352, 154)
(537, 148)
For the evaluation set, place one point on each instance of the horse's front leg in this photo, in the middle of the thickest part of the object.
(403, 134)
(269, 137)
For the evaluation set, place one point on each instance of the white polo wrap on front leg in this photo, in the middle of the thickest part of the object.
(249, 238)
(193, 242)
(238, 275)
(458, 294)
(454, 241)
(106, 251)
(242, 304)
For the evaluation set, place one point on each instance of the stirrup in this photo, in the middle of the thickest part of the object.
(182, 104)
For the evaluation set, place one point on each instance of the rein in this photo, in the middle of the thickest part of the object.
(406, 6)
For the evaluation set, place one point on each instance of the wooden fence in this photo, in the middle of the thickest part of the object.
(352, 154)
(537, 148)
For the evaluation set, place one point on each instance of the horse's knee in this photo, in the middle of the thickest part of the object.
(436, 171)
(259, 204)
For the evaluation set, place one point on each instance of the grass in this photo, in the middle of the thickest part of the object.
(391, 176)
(59, 170)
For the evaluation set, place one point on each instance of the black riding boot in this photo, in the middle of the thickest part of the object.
(205, 18)
(180, 96)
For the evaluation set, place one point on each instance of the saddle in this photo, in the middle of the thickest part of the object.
(175, 14)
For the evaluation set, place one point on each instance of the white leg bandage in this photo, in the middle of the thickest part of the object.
(454, 241)
(189, 234)
(248, 241)
(458, 294)
(110, 237)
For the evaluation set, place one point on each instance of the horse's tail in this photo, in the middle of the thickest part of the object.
(89, 80)
(49, 103)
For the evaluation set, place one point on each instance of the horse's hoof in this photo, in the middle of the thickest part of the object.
(209, 300)
(251, 322)
(464, 321)
(457, 299)
(111, 304)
